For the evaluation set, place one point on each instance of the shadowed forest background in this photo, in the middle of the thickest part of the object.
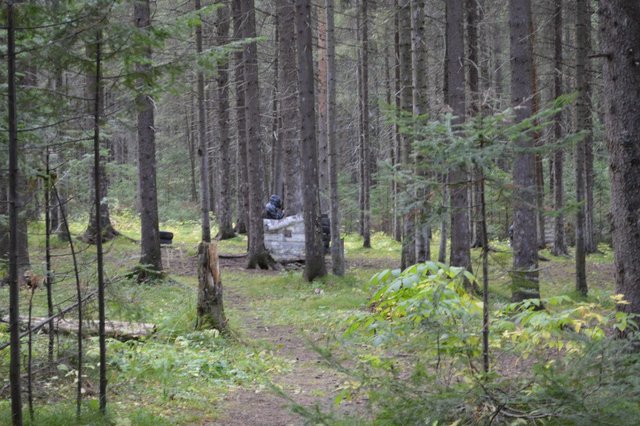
(476, 163)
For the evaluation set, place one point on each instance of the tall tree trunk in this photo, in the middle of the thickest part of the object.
(397, 137)
(620, 29)
(420, 108)
(584, 47)
(202, 138)
(365, 142)
(525, 283)
(151, 255)
(14, 211)
(289, 107)
(473, 42)
(406, 105)
(314, 266)
(323, 147)
(108, 232)
(559, 244)
(258, 255)
(460, 232)
(277, 173)
(97, 117)
(225, 220)
(583, 121)
(243, 173)
(337, 249)
(189, 119)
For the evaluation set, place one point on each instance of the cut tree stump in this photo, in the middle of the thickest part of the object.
(210, 307)
(121, 330)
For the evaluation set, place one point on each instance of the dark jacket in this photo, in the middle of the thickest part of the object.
(273, 209)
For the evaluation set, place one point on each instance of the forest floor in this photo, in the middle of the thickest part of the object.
(273, 371)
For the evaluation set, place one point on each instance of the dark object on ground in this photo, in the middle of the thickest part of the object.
(325, 225)
(273, 209)
(166, 237)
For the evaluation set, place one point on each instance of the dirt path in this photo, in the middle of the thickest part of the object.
(309, 382)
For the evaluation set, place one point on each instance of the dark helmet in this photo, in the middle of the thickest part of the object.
(276, 201)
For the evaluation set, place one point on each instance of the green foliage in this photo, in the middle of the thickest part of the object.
(417, 354)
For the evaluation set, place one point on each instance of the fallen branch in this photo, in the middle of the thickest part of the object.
(45, 321)
(122, 330)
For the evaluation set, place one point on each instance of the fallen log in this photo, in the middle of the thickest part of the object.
(121, 330)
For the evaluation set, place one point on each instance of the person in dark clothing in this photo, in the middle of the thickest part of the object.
(273, 209)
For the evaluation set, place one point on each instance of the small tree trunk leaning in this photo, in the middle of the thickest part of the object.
(210, 307)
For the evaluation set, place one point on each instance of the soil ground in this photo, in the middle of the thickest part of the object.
(310, 383)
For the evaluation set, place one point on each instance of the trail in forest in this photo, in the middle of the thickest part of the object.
(309, 382)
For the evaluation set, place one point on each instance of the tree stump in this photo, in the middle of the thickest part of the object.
(210, 307)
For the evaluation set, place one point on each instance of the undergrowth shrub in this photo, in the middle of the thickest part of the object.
(416, 354)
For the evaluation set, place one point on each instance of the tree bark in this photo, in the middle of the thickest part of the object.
(620, 29)
(14, 210)
(314, 266)
(241, 128)
(365, 142)
(323, 147)
(225, 219)
(337, 249)
(202, 138)
(420, 108)
(210, 307)
(525, 283)
(455, 98)
(583, 121)
(406, 105)
(151, 255)
(559, 244)
(289, 107)
(90, 235)
(258, 255)
(397, 137)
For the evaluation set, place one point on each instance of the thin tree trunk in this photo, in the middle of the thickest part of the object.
(225, 219)
(365, 142)
(458, 176)
(203, 145)
(14, 210)
(314, 266)
(397, 137)
(420, 107)
(189, 118)
(108, 232)
(48, 183)
(243, 179)
(258, 255)
(151, 256)
(525, 283)
(337, 249)
(277, 172)
(584, 47)
(583, 121)
(620, 30)
(97, 110)
(406, 104)
(559, 244)
(323, 147)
